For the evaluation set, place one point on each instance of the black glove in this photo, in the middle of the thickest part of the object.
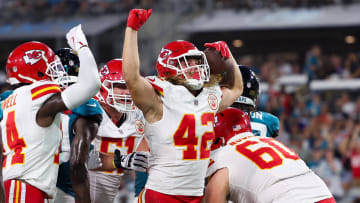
(136, 161)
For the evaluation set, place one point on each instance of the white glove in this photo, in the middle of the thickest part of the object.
(76, 38)
(137, 161)
(94, 160)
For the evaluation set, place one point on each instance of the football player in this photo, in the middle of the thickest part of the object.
(248, 168)
(262, 123)
(31, 120)
(179, 107)
(121, 130)
(79, 128)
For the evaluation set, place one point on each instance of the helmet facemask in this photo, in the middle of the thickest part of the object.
(56, 71)
(195, 75)
(121, 102)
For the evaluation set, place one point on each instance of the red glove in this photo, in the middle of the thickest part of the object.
(221, 47)
(137, 18)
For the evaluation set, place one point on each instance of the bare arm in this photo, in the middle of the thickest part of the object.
(49, 109)
(218, 189)
(85, 132)
(139, 87)
(107, 161)
(143, 146)
(230, 95)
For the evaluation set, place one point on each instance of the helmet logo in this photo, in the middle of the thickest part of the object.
(248, 85)
(164, 53)
(213, 101)
(104, 71)
(33, 56)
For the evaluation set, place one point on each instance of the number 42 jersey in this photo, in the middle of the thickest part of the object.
(180, 142)
(30, 151)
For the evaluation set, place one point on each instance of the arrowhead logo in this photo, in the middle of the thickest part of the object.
(33, 56)
(104, 70)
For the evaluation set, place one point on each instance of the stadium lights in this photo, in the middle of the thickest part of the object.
(350, 39)
(237, 43)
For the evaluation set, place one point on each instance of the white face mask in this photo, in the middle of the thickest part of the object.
(121, 102)
(56, 71)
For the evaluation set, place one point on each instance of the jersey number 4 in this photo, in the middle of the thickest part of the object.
(185, 135)
(14, 142)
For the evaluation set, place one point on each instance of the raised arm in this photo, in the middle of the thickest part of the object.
(142, 93)
(229, 94)
(86, 87)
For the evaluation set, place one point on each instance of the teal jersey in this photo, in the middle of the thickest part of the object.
(264, 124)
(89, 110)
(3, 96)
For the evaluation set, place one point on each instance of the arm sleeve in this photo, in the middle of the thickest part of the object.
(88, 83)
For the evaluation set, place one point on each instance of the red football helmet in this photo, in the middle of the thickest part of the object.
(31, 62)
(174, 60)
(228, 123)
(111, 76)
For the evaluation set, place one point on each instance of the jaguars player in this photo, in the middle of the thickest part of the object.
(262, 123)
(79, 128)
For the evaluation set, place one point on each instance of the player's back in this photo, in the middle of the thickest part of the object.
(264, 124)
(30, 151)
(264, 170)
(180, 142)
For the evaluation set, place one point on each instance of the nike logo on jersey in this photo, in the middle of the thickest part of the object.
(91, 105)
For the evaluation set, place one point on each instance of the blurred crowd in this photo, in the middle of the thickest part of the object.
(322, 127)
(16, 11)
(316, 65)
(256, 4)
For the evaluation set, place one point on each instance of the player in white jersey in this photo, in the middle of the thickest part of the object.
(122, 128)
(31, 120)
(179, 107)
(249, 168)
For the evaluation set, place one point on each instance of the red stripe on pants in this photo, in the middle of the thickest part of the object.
(32, 194)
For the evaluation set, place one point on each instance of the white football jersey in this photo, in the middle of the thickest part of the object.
(180, 142)
(126, 138)
(30, 151)
(264, 170)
